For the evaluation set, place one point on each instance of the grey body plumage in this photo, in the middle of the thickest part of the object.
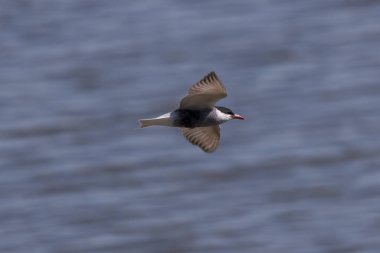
(191, 118)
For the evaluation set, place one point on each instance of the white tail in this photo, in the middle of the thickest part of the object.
(163, 120)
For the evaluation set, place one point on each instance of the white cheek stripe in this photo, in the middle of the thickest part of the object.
(222, 116)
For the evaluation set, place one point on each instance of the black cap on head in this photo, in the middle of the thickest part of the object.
(225, 110)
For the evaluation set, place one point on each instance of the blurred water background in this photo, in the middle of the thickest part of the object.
(301, 174)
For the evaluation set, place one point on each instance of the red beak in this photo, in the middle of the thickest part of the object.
(237, 116)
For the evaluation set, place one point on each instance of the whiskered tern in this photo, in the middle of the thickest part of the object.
(197, 116)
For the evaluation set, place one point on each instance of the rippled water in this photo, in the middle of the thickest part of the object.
(301, 174)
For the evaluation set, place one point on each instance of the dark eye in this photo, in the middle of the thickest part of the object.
(230, 112)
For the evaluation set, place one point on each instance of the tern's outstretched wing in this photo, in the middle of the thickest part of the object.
(205, 93)
(207, 138)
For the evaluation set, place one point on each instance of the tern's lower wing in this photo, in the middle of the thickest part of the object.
(207, 138)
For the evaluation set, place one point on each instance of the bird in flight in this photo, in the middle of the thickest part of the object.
(197, 116)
